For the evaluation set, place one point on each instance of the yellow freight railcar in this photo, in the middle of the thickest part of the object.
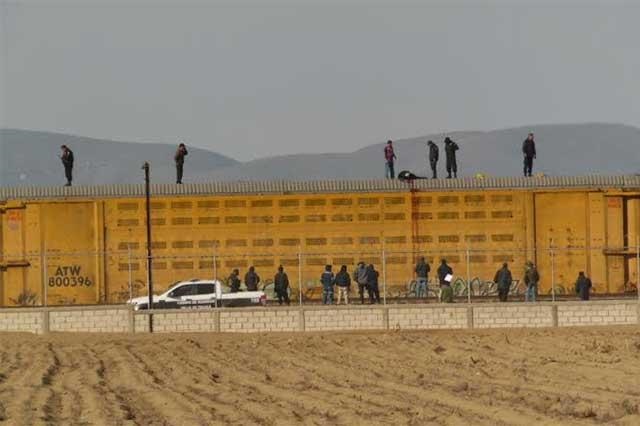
(87, 245)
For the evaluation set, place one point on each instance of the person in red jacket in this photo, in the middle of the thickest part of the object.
(389, 158)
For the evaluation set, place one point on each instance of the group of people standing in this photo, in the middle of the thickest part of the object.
(252, 280)
(503, 279)
(451, 148)
(365, 276)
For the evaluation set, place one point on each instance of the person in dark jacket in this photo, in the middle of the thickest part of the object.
(328, 281)
(281, 286)
(360, 276)
(446, 292)
(583, 286)
(422, 277)
(234, 281)
(529, 152)
(450, 148)
(443, 271)
(503, 279)
(67, 162)
(389, 160)
(251, 279)
(531, 279)
(181, 152)
(434, 154)
(343, 282)
(372, 283)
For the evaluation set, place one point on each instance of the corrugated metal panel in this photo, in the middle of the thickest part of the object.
(329, 186)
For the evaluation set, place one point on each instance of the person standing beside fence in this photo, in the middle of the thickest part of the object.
(234, 281)
(583, 286)
(343, 282)
(281, 286)
(503, 279)
(445, 275)
(327, 279)
(422, 278)
(360, 276)
(252, 279)
(372, 283)
(531, 279)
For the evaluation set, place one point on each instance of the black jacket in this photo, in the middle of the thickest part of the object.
(372, 278)
(251, 280)
(529, 148)
(503, 278)
(434, 152)
(583, 285)
(67, 158)
(450, 149)
(423, 269)
(443, 271)
(343, 279)
(180, 154)
(281, 282)
(234, 283)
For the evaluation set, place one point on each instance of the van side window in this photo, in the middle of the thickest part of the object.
(185, 290)
(208, 288)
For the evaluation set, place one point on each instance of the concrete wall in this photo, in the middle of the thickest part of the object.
(121, 319)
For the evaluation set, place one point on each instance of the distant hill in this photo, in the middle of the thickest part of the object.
(29, 158)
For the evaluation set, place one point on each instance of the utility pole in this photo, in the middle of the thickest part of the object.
(147, 193)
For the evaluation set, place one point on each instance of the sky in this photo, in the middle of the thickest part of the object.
(255, 79)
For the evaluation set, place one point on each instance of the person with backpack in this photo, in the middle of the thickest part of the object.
(450, 148)
(252, 279)
(328, 281)
(343, 282)
(181, 152)
(281, 286)
(360, 276)
(422, 277)
(434, 153)
(529, 151)
(583, 286)
(503, 279)
(531, 279)
(372, 283)
(67, 162)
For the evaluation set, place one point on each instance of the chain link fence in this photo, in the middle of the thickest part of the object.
(49, 277)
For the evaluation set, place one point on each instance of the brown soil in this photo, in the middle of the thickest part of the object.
(559, 376)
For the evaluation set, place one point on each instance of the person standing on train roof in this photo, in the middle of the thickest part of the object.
(67, 162)
(529, 152)
(434, 153)
(450, 148)
(389, 158)
(181, 152)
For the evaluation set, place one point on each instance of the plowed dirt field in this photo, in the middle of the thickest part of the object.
(519, 377)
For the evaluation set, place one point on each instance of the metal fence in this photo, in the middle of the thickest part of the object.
(49, 277)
